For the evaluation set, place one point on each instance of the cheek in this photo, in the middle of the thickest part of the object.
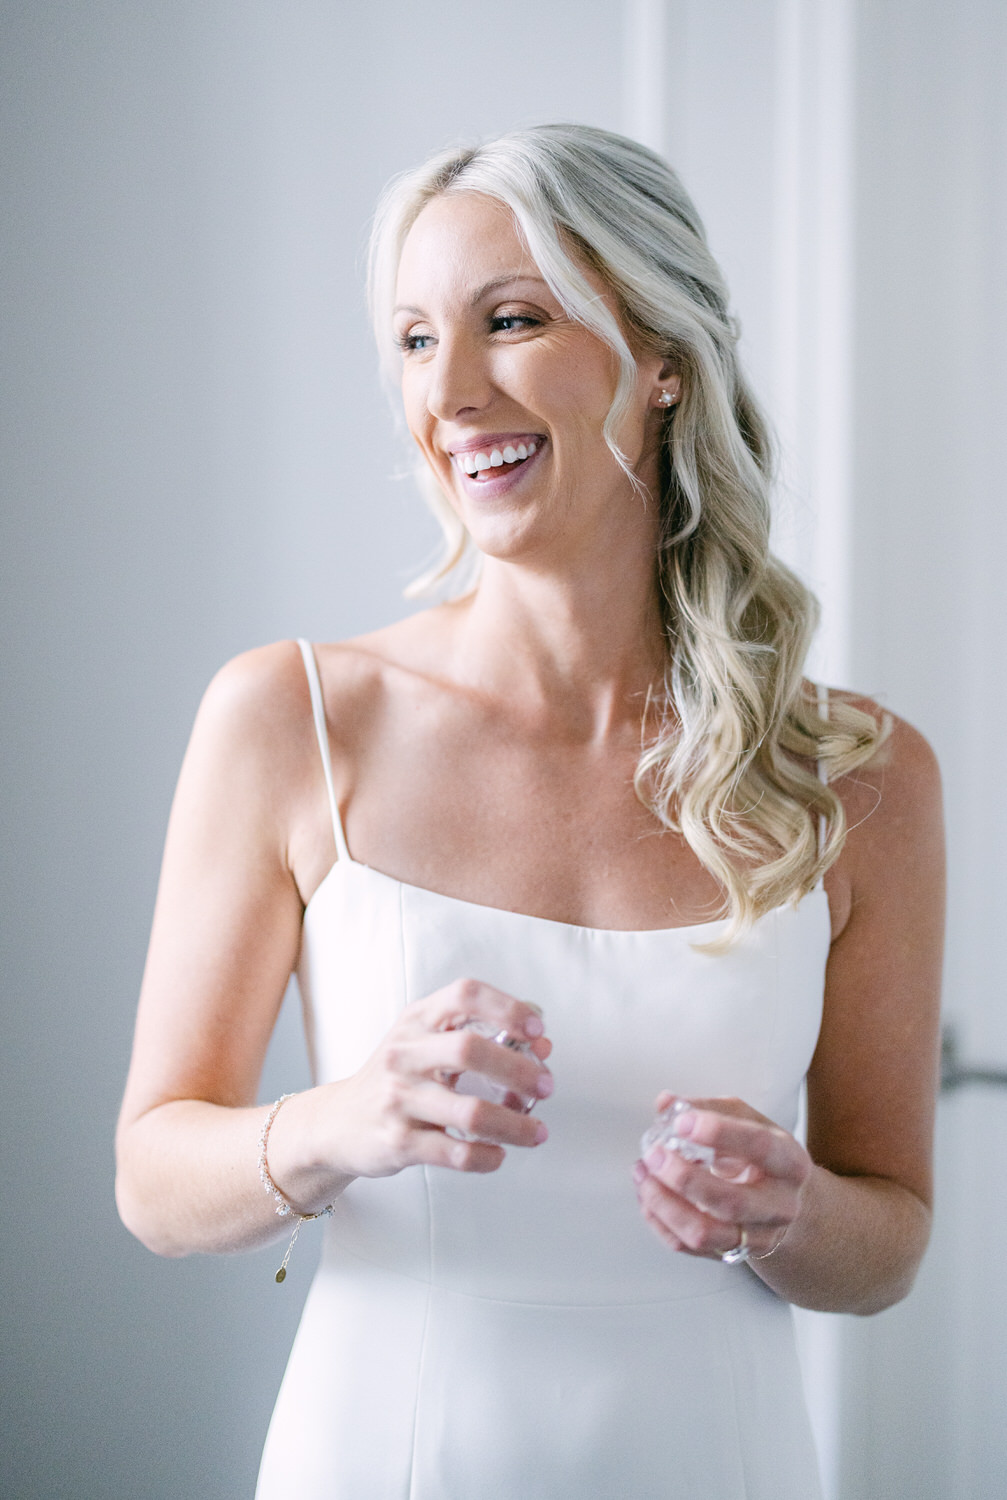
(575, 413)
(583, 387)
(414, 409)
(567, 378)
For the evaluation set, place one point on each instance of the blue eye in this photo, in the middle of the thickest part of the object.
(409, 343)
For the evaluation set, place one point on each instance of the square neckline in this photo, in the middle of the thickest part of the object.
(348, 863)
(345, 859)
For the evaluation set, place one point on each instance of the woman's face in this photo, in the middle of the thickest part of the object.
(493, 367)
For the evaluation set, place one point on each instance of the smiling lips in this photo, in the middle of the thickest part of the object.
(475, 461)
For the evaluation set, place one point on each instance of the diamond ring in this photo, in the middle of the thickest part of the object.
(739, 1253)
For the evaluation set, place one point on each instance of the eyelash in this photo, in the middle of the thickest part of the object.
(517, 318)
(408, 342)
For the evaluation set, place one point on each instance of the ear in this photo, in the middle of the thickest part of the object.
(670, 377)
(667, 394)
(668, 387)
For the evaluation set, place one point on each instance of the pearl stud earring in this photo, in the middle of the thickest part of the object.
(666, 399)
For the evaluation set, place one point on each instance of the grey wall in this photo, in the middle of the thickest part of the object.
(196, 459)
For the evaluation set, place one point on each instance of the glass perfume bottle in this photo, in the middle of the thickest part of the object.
(490, 1089)
(660, 1134)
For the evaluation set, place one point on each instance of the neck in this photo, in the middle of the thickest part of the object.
(579, 647)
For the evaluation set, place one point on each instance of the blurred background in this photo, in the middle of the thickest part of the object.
(197, 458)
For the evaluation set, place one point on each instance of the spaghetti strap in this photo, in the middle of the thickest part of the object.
(322, 731)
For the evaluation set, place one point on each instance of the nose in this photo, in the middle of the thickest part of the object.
(459, 378)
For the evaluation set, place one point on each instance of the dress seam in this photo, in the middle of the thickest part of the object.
(545, 1306)
(421, 1362)
(429, 1292)
(737, 1420)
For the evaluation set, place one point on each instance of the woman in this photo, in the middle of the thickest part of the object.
(590, 804)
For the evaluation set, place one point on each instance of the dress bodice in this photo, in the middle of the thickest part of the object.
(628, 1012)
(525, 1333)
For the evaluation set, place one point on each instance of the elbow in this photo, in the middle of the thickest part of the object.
(901, 1278)
(141, 1223)
(859, 1298)
(872, 1273)
(880, 1299)
(894, 1290)
(136, 1209)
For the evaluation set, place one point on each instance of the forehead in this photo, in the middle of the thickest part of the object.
(459, 242)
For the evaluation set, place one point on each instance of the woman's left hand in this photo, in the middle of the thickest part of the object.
(753, 1187)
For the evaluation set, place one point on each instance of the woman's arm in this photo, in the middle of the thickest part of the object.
(225, 937)
(226, 934)
(855, 1207)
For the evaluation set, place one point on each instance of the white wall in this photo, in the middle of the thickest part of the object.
(850, 161)
(929, 1380)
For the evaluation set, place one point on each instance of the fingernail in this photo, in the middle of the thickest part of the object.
(541, 1133)
(683, 1124)
(655, 1158)
(533, 1026)
(639, 1172)
(544, 1084)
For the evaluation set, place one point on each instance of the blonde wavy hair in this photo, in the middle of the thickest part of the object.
(733, 765)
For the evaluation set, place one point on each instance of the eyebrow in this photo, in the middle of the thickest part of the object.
(483, 291)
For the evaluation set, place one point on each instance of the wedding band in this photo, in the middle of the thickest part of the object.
(739, 1253)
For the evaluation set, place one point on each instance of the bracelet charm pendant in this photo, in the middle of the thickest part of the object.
(280, 1204)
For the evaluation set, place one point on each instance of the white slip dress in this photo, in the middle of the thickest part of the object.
(524, 1335)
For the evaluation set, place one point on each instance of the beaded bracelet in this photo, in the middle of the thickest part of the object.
(280, 1203)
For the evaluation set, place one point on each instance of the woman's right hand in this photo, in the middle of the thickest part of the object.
(395, 1112)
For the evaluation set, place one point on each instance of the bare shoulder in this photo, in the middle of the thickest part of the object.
(901, 782)
(894, 849)
(256, 711)
(361, 677)
(248, 760)
(255, 685)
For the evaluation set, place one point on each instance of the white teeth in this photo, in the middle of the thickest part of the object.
(474, 463)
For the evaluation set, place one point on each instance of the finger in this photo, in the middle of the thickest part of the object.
(436, 1105)
(466, 998)
(512, 1068)
(733, 1169)
(438, 1054)
(662, 1231)
(771, 1202)
(728, 1104)
(433, 1148)
(671, 1215)
(750, 1141)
